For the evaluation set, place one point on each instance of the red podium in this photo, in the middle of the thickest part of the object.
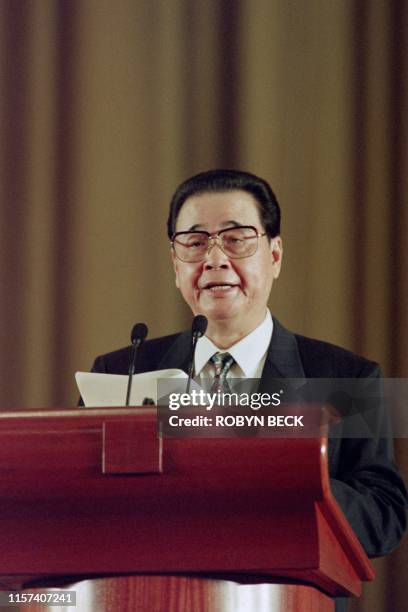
(94, 499)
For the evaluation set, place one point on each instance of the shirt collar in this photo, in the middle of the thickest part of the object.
(247, 353)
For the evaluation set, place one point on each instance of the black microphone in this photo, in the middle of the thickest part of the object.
(198, 329)
(138, 336)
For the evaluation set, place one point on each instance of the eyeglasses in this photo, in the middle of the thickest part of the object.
(235, 242)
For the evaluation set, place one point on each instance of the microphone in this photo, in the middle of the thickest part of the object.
(198, 329)
(138, 336)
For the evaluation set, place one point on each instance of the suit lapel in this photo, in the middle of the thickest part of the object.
(178, 354)
(283, 358)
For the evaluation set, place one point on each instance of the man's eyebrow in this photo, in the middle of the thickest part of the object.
(225, 224)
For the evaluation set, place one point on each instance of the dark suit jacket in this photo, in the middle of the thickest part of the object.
(364, 479)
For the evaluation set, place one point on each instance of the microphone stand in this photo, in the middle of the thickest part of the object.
(138, 336)
(198, 329)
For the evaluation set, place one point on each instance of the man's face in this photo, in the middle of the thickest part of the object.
(224, 289)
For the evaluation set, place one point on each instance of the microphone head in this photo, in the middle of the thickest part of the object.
(199, 326)
(139, 333)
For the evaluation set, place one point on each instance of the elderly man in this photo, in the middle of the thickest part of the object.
(224, 228)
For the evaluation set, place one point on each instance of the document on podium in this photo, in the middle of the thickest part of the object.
(98, 390)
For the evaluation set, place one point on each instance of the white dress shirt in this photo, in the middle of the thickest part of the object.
(249, 353)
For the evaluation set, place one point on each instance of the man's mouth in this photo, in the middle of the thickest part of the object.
(219, 286)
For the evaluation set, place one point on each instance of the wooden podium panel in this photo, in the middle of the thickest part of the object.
(91, 493)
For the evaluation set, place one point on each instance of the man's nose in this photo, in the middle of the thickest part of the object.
(215, 256)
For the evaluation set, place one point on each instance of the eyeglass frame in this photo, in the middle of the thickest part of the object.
(216, 238)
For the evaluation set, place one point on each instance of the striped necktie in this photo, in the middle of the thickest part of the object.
(222, 363)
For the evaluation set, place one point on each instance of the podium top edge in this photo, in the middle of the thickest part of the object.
(79, 412)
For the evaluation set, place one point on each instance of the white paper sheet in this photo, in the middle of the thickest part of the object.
(110, 389)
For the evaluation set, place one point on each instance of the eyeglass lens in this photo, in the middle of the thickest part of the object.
(235, 242)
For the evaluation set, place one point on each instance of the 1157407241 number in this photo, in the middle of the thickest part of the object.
(51, 598)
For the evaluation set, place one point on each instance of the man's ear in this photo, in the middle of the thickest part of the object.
(277, 254)
(175, 267)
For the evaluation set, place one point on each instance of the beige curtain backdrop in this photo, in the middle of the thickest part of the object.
(105, 106)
